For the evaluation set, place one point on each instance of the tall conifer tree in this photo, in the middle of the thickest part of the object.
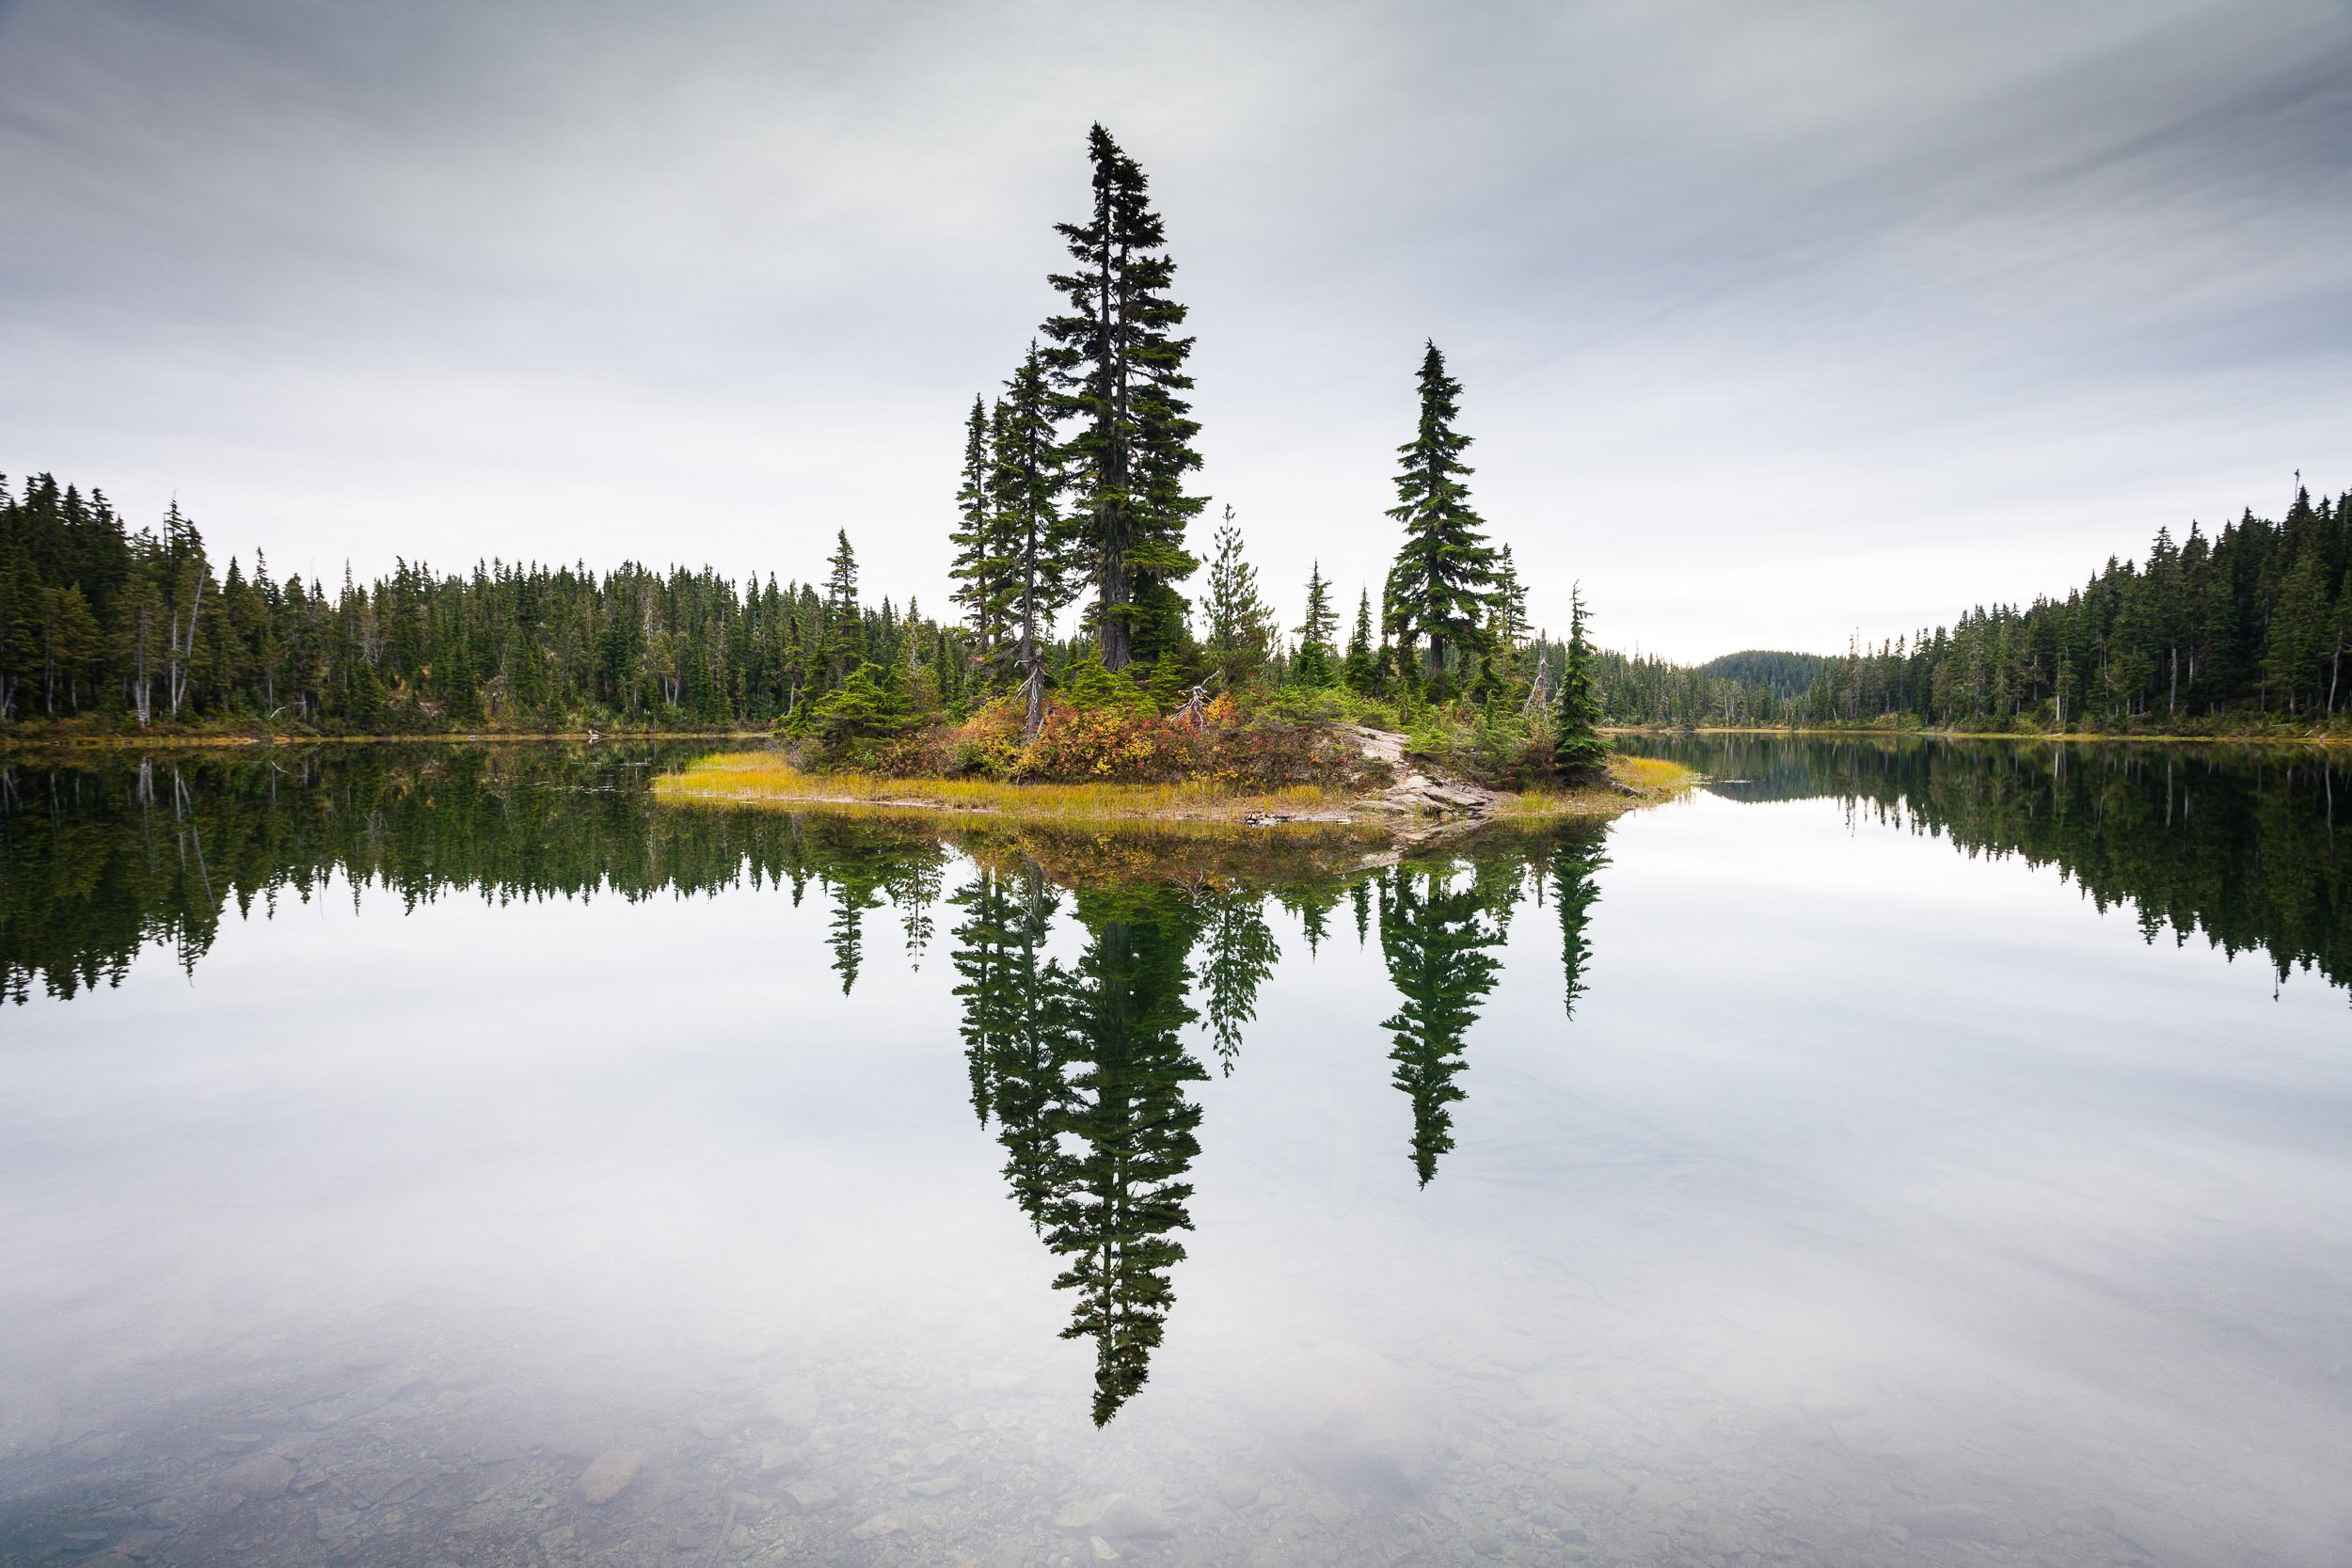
(845, 626)
(1034, 539)
(1362, 667)
(1444, 577)
(1119, 367)
(1577, 749)
(1315, 662)
(978, 566)
(1241, 628)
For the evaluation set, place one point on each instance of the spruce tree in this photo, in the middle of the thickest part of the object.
(978, 568)
(1315, 662)
(1506, 623)
(1119, 368)
(1443, 581)
(845, 626)
(1033, 538)
(1361, 669)
(1241, 628)
(1577, 749)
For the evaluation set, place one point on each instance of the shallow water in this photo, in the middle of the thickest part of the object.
(445, 1156)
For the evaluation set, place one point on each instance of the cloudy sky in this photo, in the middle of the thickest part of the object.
(1776, 321)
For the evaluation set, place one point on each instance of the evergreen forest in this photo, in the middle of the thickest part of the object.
(2242, 630)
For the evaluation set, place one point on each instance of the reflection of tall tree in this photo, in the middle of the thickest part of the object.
(1237, 952)
(859, 860)
(1575, 888)
(1084, 1069)
(1130, 1130)
(846, 930)
(1014, 1018)
(1313, 903)
(1436, 939)
(914, 888)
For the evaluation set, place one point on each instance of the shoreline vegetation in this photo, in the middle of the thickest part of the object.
(1410, 809)
(33, 736)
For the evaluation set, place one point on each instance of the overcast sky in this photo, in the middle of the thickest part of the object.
(1775, 321)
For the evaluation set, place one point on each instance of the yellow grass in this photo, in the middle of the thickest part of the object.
(764, 777)
(1651, 779)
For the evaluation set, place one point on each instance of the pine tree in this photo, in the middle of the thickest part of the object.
(1119, 368)
(1443, 579)
(1241, 628)
(1506, 625)
(1315, 664)
(979, 567)
(1577, 749)
(845, 626)
(1033, 538)
(1362, 667)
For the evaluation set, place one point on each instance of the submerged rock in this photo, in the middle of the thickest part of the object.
(812, 1493)
(262, 1476)
(609, 1475)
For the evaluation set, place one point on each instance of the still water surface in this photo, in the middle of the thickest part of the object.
(1934, 1154)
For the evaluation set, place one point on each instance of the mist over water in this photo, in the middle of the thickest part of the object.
(444, 1155)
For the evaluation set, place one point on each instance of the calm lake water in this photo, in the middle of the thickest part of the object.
(1921, 1154)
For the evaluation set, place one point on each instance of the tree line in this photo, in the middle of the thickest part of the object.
(101, 621)
(2244, 627)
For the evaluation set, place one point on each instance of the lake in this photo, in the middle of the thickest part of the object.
(1894, 1152)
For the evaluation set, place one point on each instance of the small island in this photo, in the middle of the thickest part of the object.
(1382, 792)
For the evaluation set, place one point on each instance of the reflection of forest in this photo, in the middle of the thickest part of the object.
(1088, 1014)
(99, 859)
(2237, 842)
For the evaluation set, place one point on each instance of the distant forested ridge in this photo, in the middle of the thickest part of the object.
(1785, 674)
(2244, 628)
